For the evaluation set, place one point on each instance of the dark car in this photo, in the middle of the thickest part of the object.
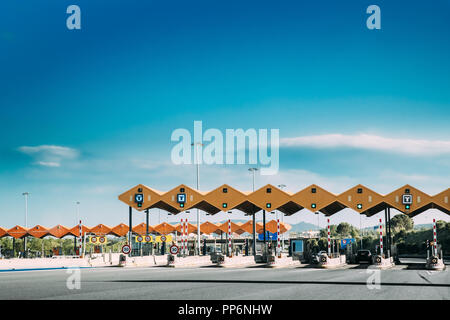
(363, 256)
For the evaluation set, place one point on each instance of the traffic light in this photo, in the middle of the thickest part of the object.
(407, 207)
(359, 206)
(313, 205)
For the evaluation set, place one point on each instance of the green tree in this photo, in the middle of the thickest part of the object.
(441, 225)
(333, 232)
(344, 229)
(401, 222)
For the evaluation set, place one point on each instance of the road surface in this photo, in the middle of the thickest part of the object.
(349, 282)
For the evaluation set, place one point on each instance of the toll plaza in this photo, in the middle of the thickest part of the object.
(270, 199)
(228, 242)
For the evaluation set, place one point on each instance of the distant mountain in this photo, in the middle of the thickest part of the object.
(424, 226)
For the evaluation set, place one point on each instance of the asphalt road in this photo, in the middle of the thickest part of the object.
(230, 283)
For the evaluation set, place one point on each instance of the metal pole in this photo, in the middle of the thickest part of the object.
(385, 228)
(389, 229)
(318, 222)
(130, 232)
(381, 237)
(360, 228)
(26, 224)
(84, 245)
(78, 211)
(329, 237)
(80, 239)
(230, 253)
(282, 186)
(278, 237)
(198, 211)
(435, 237)
(253, 170)
(264, 227)
(146, 222)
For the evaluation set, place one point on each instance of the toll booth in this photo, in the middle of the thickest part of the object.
(296, 249)
(57, 251)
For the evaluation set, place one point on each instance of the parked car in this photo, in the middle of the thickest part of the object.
(363, 256)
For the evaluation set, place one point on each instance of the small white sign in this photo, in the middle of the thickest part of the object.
(174, 249)
(407, 199)
(126, 249)
(181, 198)
(139, 197)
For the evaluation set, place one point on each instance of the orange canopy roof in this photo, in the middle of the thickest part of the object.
(271, 226)
(3, 232)
(224, 227)
(58, 231)
(248, 226)
(208, 228)
(100, 230)
(164, 228)
(75, 231)
(141, 229)
(38, 231)
(120, 230)
(17, 232)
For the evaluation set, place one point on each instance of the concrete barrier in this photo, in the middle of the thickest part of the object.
(189, 261)
(96, 260)
(283, 261)
(145, 261)
(383, 263)
(435, 263)
(331, 262)
(42, 263)
(236, 261)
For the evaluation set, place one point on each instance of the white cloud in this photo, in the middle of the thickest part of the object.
(370, 142)
(48, 164)
(49, 155)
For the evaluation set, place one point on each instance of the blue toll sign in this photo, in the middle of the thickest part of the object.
(345, 242)
(269, 236)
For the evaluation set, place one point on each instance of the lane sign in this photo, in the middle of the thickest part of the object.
(407, 199)
(174, 249)
(181, 198)
(139, 198)
(167, 238)
(126, 249)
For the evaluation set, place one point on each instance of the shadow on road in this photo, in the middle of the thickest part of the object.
(353, 283)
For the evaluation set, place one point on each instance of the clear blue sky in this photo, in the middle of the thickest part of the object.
(108, 97)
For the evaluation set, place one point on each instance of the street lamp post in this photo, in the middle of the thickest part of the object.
(282, 186)
(253, 170)
(318, 221)
(197, 145)
(77, 222)
(26, 194)
(78, 212)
